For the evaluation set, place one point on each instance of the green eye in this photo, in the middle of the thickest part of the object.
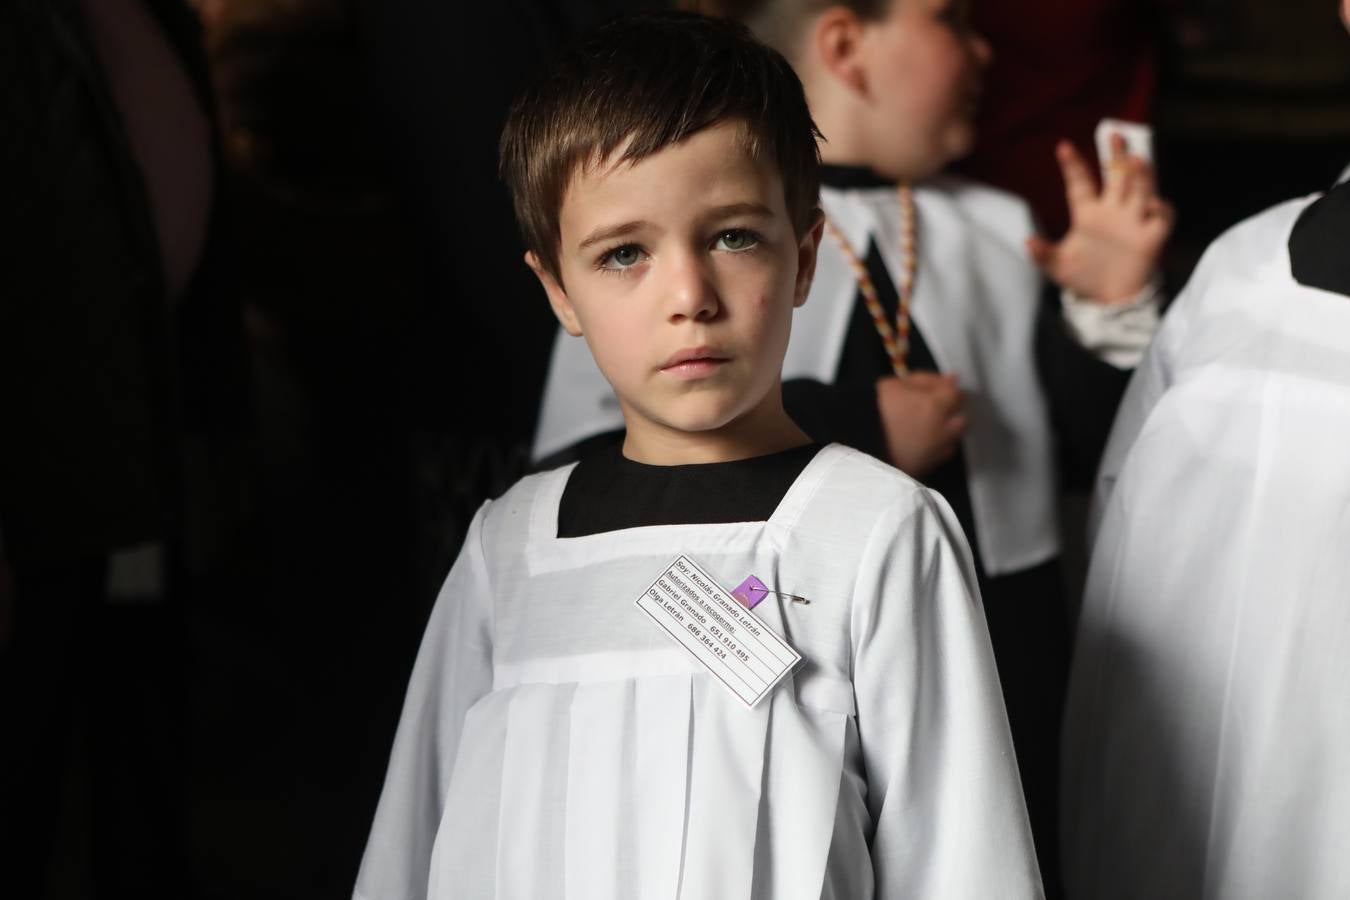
(736, 240)
(623, 257)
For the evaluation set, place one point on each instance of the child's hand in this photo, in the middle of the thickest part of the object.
(922, 418)
(1116, 233)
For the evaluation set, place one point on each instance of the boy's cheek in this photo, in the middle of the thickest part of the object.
(617, 350)
(781, 292)
(774, 308)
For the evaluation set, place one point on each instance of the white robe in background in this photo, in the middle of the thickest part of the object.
(1207, 740)
(556, 744)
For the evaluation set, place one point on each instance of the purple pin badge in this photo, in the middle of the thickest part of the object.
(750, 592)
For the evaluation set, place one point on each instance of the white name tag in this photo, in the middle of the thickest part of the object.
(732, 642)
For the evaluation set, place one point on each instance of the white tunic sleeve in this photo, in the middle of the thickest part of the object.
(1117, 333)
(1150, 381)
(943, 790)
(453, 670)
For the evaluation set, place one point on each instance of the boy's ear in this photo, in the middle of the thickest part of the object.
(837, 37)
(557, 296)
(807, 249)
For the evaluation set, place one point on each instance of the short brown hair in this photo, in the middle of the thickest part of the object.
(650, 81)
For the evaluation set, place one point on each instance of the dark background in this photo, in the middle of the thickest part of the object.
(397, 347)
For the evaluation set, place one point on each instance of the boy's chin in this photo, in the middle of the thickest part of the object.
(695, 419)
(707, 422)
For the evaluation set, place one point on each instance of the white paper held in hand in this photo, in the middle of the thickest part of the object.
(1138, 141)
(729, 640)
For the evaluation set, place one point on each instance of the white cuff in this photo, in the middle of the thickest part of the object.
(1117, 333)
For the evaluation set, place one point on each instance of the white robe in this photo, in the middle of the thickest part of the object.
(555, 743)
(1207, 740)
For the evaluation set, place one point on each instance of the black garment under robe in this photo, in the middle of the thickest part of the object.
(608, 492)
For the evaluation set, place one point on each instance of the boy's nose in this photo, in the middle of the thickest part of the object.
(689, 289)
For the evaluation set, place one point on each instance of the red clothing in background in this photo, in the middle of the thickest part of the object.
(1058, 69)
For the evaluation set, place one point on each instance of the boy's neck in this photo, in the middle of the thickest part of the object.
(844, 156)
(845, 141)
(842, 120)
(766, 429)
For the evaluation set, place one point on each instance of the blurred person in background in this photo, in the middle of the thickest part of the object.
(323, 626)
(1055, 71)
(124, 388)
(1206, 732)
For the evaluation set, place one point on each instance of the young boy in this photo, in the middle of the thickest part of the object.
(987, 387)
(1206, 733)
(556, 740)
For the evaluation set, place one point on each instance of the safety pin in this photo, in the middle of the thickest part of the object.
(746, 590)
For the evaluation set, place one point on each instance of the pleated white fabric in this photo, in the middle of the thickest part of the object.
(1207, 743)
(556, 744)
(601, 855)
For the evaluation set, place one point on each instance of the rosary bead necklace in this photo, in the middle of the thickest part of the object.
(895, 340)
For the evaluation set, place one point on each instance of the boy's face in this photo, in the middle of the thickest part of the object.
(922, 68)
(682, 271)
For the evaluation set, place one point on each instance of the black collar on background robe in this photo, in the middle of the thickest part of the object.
(1319, 246)
(846, 178)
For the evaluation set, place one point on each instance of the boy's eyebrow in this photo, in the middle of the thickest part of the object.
(739, 209)
(716, 212)
(610, 232)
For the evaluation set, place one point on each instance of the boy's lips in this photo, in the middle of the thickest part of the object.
(694, 362)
